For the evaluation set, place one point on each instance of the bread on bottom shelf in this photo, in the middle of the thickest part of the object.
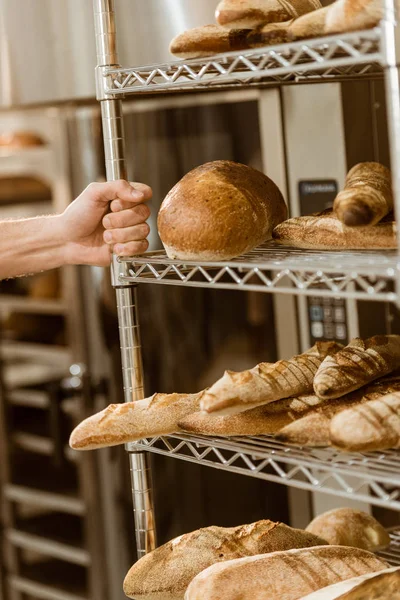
(167, 571)
(384, 585)
(348, 15)
(255, 13)
(370, 427)
(207, 40)
(324, 231)
(123, 423)
(282, 575)
(266, 382)
(350, 527)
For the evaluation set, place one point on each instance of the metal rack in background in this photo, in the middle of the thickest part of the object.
(362, 275)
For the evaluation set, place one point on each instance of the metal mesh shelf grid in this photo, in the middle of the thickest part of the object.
(392, 554)
(372, 477)
(350, 55)
(273, 268)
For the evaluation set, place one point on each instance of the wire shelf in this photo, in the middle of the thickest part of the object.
(315, 60)
(372, 477)
(392, 554)
(273, 268)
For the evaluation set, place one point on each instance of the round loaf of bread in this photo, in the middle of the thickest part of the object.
(218, 211)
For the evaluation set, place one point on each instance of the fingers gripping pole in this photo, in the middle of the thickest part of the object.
(132, 369)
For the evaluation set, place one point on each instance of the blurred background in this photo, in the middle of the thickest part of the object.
(66, 521)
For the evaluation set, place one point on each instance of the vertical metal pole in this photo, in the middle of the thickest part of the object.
(132, 368)
(391, 48)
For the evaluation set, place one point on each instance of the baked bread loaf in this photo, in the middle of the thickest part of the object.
(349, 527)
(310, 25)
(266, 382)
(324, 231)
(367, 196)
(312, 429)
(359, 363)
(219, 210)
(384, 585)
(282, 575)
(249, 14)
(20, 139)
(208, 40)
(348, 15)
(372, 426)
(167, 571)
(122, 423)
(273, 33)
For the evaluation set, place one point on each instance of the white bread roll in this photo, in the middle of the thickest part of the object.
(219, 210)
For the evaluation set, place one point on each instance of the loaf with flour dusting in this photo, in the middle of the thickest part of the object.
(218, 211)
(351, 15)
(249, 14)
(282, 575)
(123, 423)
(208, 40)
(166, 572)
(266, 382)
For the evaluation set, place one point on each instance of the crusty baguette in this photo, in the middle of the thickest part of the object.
(219, 210)
(384, 585)
(352, 15)
(324, 231)
(367, 196)
(312, 429)
(359, 363)
(266, 382)
(122, 423)
(249, 14)
(167, 571)
(372, 426)
(207, 40)
(310, 25)
(273, 33)
(282, 575)
(350, 527)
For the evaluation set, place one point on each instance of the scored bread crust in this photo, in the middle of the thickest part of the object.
(373, 586)
(282, 575)
(131, 421)
(359, 363)
(168, 570)
(207, 40)
(254, 13)
(266, 382)
(218, 211)
(324, 231)
(351, 15)
(350, 527)
(313, 429)
(370, 427)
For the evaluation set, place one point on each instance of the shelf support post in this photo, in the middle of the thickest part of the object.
(132, 368)
(391, 49)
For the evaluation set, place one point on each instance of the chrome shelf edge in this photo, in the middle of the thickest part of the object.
(370, 477)
(363, 275)
(350, 55)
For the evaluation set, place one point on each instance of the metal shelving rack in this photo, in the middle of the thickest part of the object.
(372, 477)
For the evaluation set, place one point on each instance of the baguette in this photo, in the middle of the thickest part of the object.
(208, 40)
(367, 196)
(167, 571)
(313, 429)
(282, 575)
(123, 423)
(349, 527)
(310, 25)
(266, 382)
(249, 14)
(359, 363)
(352, 15)
(324, 231)
(372, 426)
(384, 585)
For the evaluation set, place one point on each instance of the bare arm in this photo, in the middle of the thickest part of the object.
(84, 234)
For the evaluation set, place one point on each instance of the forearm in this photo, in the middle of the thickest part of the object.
(31, 245)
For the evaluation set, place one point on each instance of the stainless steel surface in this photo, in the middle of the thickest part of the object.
(53, 59)
(371, 477)
(392, 554)
(269, 269)
(321, 59)
(131, 356)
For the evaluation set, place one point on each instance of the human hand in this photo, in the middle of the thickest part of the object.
(92, 233)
